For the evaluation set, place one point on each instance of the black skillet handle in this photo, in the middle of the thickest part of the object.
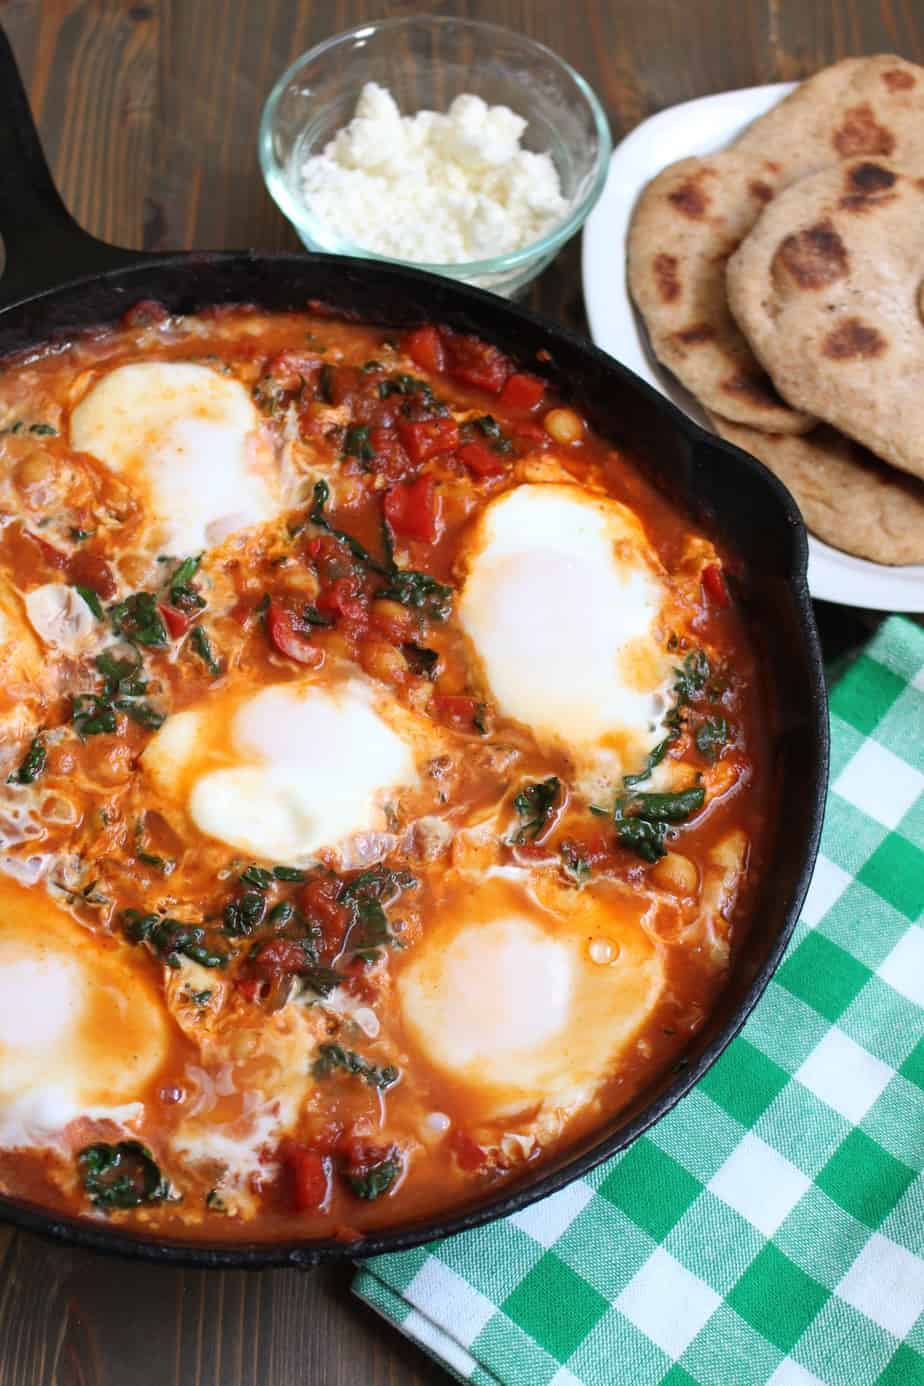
(42, 242)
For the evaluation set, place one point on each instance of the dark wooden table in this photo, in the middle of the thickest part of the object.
(148, 112)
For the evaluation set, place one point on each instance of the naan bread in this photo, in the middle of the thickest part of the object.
(847, 496)
(826, 287)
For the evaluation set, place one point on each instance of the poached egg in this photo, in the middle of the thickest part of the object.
(291, 768)
(562, 599)
(188, 439)
(82, 1030)
(524, 994)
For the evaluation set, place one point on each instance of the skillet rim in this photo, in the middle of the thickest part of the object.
(243, 1255)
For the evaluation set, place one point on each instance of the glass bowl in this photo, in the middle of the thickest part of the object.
(425, 62)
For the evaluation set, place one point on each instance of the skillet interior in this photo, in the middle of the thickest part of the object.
(725, 490)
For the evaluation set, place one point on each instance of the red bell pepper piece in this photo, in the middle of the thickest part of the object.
(289, 641)
(311, 1174)
(428, 437)
(425, 348)
(522, 391)
(176, 622)
(414, 510)
(714, 585)
(481, 460)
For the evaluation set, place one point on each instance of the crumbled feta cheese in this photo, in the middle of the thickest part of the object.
(432, 187)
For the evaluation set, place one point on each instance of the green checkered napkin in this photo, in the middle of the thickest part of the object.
(770, 1229)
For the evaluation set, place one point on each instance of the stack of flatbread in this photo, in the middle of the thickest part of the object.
(782, 281)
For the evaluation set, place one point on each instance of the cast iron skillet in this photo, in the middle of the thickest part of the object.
(731, 494)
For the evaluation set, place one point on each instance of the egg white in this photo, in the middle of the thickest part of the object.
(280, 772)
(188, 438)
(562, 597)
(81, 1029)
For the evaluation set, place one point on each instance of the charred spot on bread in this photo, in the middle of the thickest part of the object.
(853, 339)
(861, 133)
(814, 258)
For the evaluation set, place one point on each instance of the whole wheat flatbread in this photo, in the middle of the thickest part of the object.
(847, 496)
(693, 215)
(685, 225)
(826, 288)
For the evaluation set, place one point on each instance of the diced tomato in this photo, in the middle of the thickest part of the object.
(280, 955)
(289, 641)
(469, 1154)
(310, 1172)
(475, 362)
(414, 510)
(714, 585)
(391, 460)
(341, 598)
(522, 391)
(290, 367)
(250, 988)
(90, 569)
(481, 460)
(428, 437)
(177, 624)
(425, 348)
(318, 900)
(52, 556)
(456, 710)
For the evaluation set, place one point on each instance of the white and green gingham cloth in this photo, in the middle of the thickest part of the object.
(770, 1229)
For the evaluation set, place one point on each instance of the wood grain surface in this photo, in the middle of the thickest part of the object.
(148, 113)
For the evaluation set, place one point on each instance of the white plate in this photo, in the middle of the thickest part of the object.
(700, 127)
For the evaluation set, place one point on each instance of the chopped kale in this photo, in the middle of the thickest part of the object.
(244, 914)
(280, 914)
(171, 939)
(711, 738)
(535, 804)
(203, 648)
(356, 443)
(320, 497)
(420, 592)
(182, 595)
(576, 868)
(642, 819)
(257, 876)
(31, 765)
(121, 1176)
(333, 1056)
(321, 979)
(92, 600)
(377, 1180)
(313, 617)
(288, 873)
(92, 715)
(492, 430)
(138, 620)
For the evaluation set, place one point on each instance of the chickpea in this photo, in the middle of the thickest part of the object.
(113, 764)
(677, 874)
(36, 470)
(564, 425)
(394, 619)
(383, 661)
